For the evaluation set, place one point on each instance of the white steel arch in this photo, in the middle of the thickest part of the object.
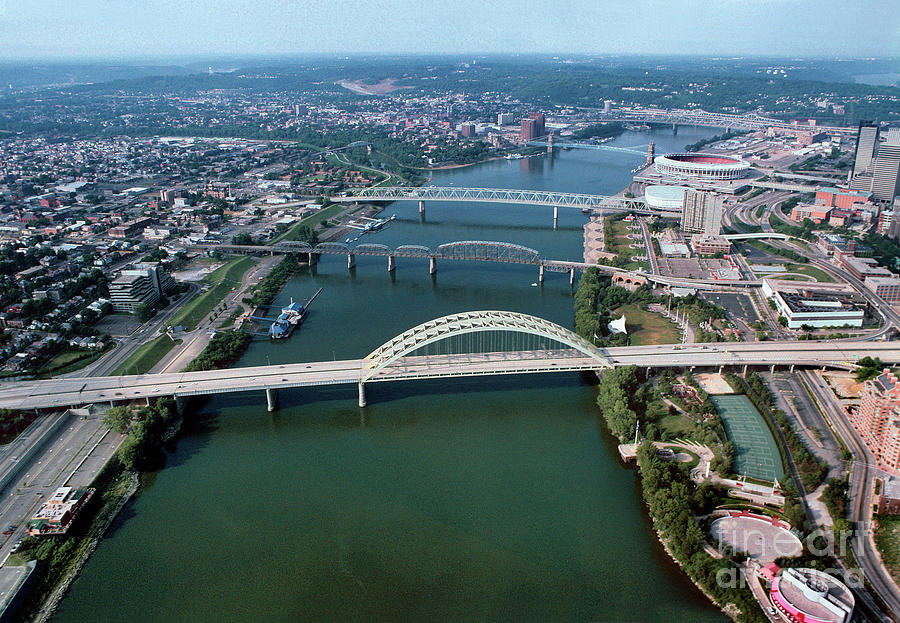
(473, 322)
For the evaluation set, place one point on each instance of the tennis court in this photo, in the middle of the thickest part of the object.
(755, 452)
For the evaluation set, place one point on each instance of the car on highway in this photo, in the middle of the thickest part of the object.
(10, 529)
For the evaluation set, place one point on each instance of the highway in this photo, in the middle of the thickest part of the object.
(76, 391)
(861, 489)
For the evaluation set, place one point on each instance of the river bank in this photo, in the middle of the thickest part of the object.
(502, 492)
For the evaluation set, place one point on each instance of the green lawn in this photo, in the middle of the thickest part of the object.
(646, 327)
(674, 426)
(887, 538)
(70, 361)
(147, 356)
(806, 269)
(312, 221)
(222, 280)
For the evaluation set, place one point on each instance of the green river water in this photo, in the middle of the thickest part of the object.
(490, 499)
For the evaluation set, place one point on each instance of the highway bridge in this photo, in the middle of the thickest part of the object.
(473, 343)
(746, 121)
(469, 250)
(494, 195)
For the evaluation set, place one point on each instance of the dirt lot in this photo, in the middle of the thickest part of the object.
(713, 383)
(843, 383)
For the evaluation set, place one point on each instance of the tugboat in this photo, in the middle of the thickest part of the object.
(289, 319)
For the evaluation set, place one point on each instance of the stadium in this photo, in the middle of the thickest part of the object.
(701, 166)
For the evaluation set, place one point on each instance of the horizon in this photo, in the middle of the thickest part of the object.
(53, 31)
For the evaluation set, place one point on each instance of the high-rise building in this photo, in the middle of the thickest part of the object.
(528, 130)
(866, 145)
(701, 212)
(467, 129)
(607, 106)
(504, 118)
(541, 121)
(886, 168)
(878, 418)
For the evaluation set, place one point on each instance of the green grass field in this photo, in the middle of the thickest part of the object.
(312, 221)
(70, 361)
(222, 280)
(806, 269)
(756, 454)
(646, 327)
(146, 356)
(887, 538)
(674, 426)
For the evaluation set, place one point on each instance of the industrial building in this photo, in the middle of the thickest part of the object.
(802, 306)
(706, 244)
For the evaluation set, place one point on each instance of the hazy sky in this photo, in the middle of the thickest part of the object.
(147, 28)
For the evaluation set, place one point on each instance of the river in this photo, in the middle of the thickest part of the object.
(487, 499)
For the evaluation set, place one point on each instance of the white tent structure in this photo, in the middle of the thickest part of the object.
(617, 326)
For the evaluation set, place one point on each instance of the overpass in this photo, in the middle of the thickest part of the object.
(771, 235)
(467, 250)
(474, 343)
(555, 200)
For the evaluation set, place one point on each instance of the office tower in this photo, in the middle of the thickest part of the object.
(866, 145)
(886, 168)
(701, 212)
(467, 129)
(504, 118)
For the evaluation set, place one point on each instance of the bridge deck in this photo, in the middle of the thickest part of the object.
(77, 391)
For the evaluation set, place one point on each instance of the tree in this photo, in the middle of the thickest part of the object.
(782, 321)
(118, 419)
(144, 312)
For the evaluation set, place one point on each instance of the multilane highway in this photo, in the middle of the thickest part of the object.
(77, 391)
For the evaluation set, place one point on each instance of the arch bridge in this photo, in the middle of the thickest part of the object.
(474, 343)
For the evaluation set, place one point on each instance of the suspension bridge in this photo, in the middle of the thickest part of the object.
(475, 343)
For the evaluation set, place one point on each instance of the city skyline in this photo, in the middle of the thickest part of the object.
(52, 30)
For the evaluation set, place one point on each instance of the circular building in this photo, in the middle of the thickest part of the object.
(666, 198)
(811, 596)
(701, 166)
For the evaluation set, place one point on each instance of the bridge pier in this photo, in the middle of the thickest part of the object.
(313, 259)
(555, 216)
(791, 369)
(745, 369)
(421, 207)
(541, 274)
(271, 399)
(772, 368)
(351, 261)
(362, 394)
(721, 369)
(571, 277)
(432, 265)
(392, 263)
(180, 405)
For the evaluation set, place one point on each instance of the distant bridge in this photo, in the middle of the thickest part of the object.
(466, 250)
(561, 142)
(747, 121)
(555, 200)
